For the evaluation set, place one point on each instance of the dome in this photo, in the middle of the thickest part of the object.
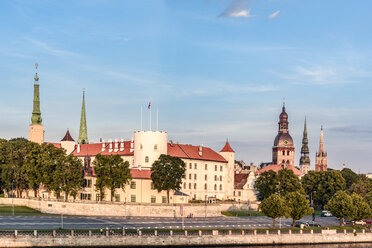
(283, 139)
(283, 115)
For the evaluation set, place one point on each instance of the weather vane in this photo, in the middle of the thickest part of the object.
(36, 65)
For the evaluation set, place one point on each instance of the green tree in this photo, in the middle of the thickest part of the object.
(273, 207)
(368, 199)
(167, 173)
(298, 206)
(288, 182)
(361, 209)
(349, 176)
(33, 168)
(266, 184)
(70, 171)
(358, 188)
(341, 206)
(330, 182)
(101, 166)
(119, 174)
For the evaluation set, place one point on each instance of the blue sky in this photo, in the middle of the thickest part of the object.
(213, 68)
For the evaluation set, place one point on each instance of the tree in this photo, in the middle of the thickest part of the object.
(361, 209)
(266, 184)
(33, 168)
(71, 173)
(101, 165)
(167, 173)
(330, 182)
(358, 188)
(349, 176)
(298, 206)
(273, 207)
(288, 182)
(368, 199)
(341, 206)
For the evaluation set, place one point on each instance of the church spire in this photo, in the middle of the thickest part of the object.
(321, 155)
(305, 159)
(83, 134)
(321, 143)
(36, 114)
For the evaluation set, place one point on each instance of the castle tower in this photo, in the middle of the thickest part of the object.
(68, 143)
(305, 159)
(283, 149)
(321, 156)
(229, 154)
(83, 133)
(36, 130)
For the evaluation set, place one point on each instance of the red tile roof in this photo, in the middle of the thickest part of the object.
(227, 148)
(96, 148)
(276, 168)
(140, 174)
(192, 152)
(67, 137)
(58, 145)
(240, 180)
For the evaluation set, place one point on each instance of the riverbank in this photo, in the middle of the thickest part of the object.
(214, 238)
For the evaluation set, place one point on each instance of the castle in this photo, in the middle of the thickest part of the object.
(210, 175)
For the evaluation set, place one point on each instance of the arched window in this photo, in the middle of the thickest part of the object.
(220, 187)
(288, 153)
(184, 185)
(194, 185)
(215, 187)
(147, 159)
(141, 146)
(287, 161)
(189, 185)
(205, 186)
(155, 147)
(283, 153)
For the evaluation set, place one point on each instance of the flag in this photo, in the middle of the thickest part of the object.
(149, 105)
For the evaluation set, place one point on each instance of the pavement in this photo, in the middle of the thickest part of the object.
(77, 222)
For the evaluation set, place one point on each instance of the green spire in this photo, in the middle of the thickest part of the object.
(83, 134)
(36, 114)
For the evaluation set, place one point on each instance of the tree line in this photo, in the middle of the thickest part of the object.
(27, 166)
(344, 193)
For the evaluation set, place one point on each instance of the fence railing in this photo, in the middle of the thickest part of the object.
(177, 232)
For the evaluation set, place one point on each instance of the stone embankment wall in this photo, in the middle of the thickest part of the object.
(105, 209)
(218, 240)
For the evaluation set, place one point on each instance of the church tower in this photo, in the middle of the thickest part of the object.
(305, 159)
(83, 133)
(283, 149)
(321, 156)
(36, 130)
(229, 154)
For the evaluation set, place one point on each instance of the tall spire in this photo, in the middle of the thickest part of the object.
(321, 156)
(36, 114)
(283, 121)
(321, 143)
(305, 159)
(83, 133)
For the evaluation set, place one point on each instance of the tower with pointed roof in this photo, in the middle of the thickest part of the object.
(68, 143)
(36, 129)
(305, 159)
(321, 155)
(283, 148)
(83, 133)
(229, 155)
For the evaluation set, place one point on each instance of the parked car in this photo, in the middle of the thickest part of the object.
(325, 213)
(360, 222)
(300, 224)
(369, 222)
(312, 224)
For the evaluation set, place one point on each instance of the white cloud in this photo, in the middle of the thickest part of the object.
(237, 8)
(274, 15)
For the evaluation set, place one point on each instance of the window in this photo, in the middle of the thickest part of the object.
(215, 167)
(98, 197)
(184, 185)
(239, 193)
(288, 153)
(205, 186)
(152, 186)
(132, 198)
(84, 196)
(206, 167)
(215, 187)
(215, 177)
(189, 185)
(206, 177)
(234, 193)
(190, 165)
(194, 185)
(153, 199)
(155, 147)
(283, 153)
(220, 178)
(220, 187)
(117, 197)
(195, 166)
(141, 146)
(194, 176)
(164, 199)
(87, 183)
(190, 176)
(133, 185)
(221, 168)
(146, 159)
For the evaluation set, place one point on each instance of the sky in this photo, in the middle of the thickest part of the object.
(213, 69)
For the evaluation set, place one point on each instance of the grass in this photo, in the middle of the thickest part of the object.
(19, 210)
(242, 213)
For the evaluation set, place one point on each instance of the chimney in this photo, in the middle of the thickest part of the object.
(139, 167)
(171, 142)
(200, 151)
(103, 146)
(122, 145)
(78, 148)
(116, 147)
(131, 144)
(110, 145)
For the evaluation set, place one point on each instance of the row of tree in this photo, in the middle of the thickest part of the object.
(324, 190)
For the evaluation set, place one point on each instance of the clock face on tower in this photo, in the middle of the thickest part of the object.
(285, 142)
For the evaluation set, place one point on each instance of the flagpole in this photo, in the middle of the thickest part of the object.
(150, 117)
(141, 118)
(157, 118)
